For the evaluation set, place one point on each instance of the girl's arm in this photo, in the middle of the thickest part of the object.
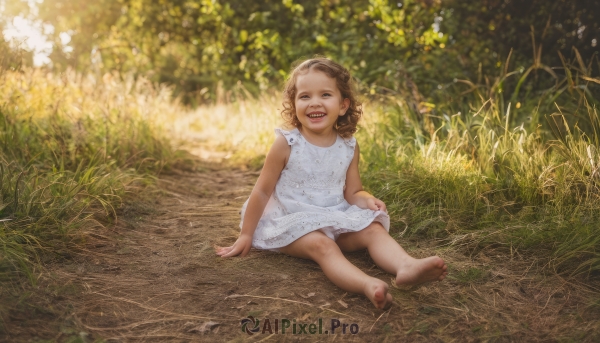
(354, 193)
(274, 164)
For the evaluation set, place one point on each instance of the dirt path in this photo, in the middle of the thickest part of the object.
(155, 277)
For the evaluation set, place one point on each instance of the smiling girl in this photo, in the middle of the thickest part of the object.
(308, 201)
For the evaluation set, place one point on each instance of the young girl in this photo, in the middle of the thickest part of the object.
(309, 202)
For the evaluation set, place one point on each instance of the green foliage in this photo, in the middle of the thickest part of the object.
(412, 45)
(486, 31)
(198, 45)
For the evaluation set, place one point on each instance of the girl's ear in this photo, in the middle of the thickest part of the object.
(345, 106)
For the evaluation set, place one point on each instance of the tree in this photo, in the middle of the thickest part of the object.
(198, 45)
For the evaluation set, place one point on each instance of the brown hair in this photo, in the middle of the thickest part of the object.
(346, 124)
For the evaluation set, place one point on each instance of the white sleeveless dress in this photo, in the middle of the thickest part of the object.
(309, 196)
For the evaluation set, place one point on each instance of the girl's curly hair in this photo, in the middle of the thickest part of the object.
(346, 124)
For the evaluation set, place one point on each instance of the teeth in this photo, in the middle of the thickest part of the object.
(316, 115)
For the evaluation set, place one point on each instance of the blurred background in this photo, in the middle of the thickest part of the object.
(205, 47)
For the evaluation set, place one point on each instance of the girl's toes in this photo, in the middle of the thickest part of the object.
(378, 294)
(388, 302)
(384, 301)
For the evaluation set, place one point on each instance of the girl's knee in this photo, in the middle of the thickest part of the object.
(375, 229)
(321, 245)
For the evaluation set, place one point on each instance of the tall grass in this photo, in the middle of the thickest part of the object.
(71, 145)
(528, 180)
(474, 167)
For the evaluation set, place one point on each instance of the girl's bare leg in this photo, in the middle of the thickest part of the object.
(318, 247)
(390, 256)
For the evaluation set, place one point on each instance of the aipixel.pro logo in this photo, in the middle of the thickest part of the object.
(251, 326)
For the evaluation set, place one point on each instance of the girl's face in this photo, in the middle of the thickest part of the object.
(318, 102)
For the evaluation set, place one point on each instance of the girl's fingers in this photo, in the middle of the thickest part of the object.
(373, 206)
(233, 252)
(380, 205)
(240, 247)
(223, 250)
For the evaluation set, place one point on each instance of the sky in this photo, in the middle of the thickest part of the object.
(31, 34)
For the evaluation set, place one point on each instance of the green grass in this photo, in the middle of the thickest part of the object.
(486, 175)
(71, 147)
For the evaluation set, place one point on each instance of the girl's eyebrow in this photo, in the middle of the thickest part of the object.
(318, 91)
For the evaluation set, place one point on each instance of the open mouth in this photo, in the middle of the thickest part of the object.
(315, 115)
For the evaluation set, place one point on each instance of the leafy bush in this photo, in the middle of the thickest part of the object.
(412, 45)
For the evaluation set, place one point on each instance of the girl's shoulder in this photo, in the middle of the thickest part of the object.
(350, 141)
(291, 136)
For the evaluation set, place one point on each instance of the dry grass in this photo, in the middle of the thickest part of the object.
(238, 132)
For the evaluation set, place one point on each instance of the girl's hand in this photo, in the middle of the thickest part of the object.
(240, 247)
(376, 204)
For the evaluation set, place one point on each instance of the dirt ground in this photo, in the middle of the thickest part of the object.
(154, 277)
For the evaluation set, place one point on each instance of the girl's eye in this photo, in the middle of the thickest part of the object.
(326, 94)
(304, 97)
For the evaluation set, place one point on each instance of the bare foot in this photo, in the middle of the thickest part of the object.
(418, 271)
(377, 292)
